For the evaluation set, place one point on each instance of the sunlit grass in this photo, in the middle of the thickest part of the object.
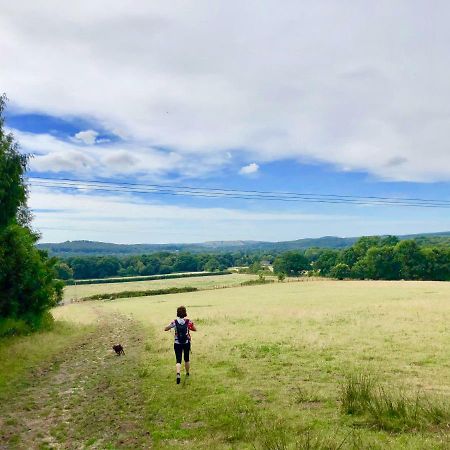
(76, 292)
(20, 354)
(279, 353)
(279, 366)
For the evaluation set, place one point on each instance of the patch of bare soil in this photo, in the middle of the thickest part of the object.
(85, 398)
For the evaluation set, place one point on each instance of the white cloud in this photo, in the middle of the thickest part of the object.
(112, 159)
(250, 169)
(363, 86)
(87, 137)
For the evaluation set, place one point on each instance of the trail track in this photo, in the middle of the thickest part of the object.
(86, 397)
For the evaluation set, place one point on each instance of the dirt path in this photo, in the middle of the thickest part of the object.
(84, 398)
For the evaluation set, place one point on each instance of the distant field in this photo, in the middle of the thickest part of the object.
(77, 292)
(269, 367)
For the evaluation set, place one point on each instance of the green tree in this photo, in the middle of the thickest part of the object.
(213, 264)
(185, 262)
(340, 271)
(63, 271)
(437, 263)
(381, 264)
(363, 244)
(326, 261)
(350, 256)
(411, 260)
(291, 263)
(359, 270)
(28, 287)
(13, 164)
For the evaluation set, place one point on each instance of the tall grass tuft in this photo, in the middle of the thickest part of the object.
(356, 393)
(392, 410)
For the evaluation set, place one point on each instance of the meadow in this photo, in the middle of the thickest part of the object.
(317, 365)
(76, 292)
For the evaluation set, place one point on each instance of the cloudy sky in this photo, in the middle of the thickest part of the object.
(328, 97)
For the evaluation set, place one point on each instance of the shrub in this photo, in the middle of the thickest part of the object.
(130, 294)
(17, 327)
(261, 280)
(340, 271)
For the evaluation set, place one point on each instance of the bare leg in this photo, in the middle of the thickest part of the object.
(187, 365)
(178, 373)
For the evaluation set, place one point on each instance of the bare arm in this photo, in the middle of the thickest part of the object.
(169, 327)
(193, 327)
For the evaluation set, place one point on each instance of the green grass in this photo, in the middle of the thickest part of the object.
(279, 353)
(209, 282)
(144, 278)
(314, 365)
(20, 354)
(393, 409)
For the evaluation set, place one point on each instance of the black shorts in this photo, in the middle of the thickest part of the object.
(180, 349)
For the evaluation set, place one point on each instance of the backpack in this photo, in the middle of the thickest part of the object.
(182, 331)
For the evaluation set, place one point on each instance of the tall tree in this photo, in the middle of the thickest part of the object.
(28, 287)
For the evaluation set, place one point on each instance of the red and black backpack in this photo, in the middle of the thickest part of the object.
(182, 331)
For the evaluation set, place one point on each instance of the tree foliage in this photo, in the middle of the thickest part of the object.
(28, 287)
(13, 191)
(387, 258)
(291, 263)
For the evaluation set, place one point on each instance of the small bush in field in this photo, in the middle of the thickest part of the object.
(131, 294)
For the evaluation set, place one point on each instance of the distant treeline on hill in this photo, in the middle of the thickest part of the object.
(90, 248)
(375, 257)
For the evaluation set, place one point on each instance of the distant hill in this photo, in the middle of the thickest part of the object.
(85, 248)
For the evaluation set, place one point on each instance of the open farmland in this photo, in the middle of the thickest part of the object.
(270, 365)
(75, 292)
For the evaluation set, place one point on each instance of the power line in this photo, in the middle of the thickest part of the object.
(123, 183)
(217, 193)
(223, 195)
(125, 187)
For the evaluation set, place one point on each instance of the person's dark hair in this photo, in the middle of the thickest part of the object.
(181, 312)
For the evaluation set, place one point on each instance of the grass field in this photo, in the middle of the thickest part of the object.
(274, 366)
(77, 292)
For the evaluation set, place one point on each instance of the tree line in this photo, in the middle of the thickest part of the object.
(371, 257)
(86, 267)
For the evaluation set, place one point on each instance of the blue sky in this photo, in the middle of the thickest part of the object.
(232, 96)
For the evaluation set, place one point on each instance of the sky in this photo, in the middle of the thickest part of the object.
(324, 97)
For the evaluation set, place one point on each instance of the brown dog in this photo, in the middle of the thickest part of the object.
(118, 349)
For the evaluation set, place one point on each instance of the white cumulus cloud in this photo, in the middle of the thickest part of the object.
(249, 169)
(88, 137)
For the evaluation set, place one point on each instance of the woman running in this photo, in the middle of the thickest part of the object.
(182, 344)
